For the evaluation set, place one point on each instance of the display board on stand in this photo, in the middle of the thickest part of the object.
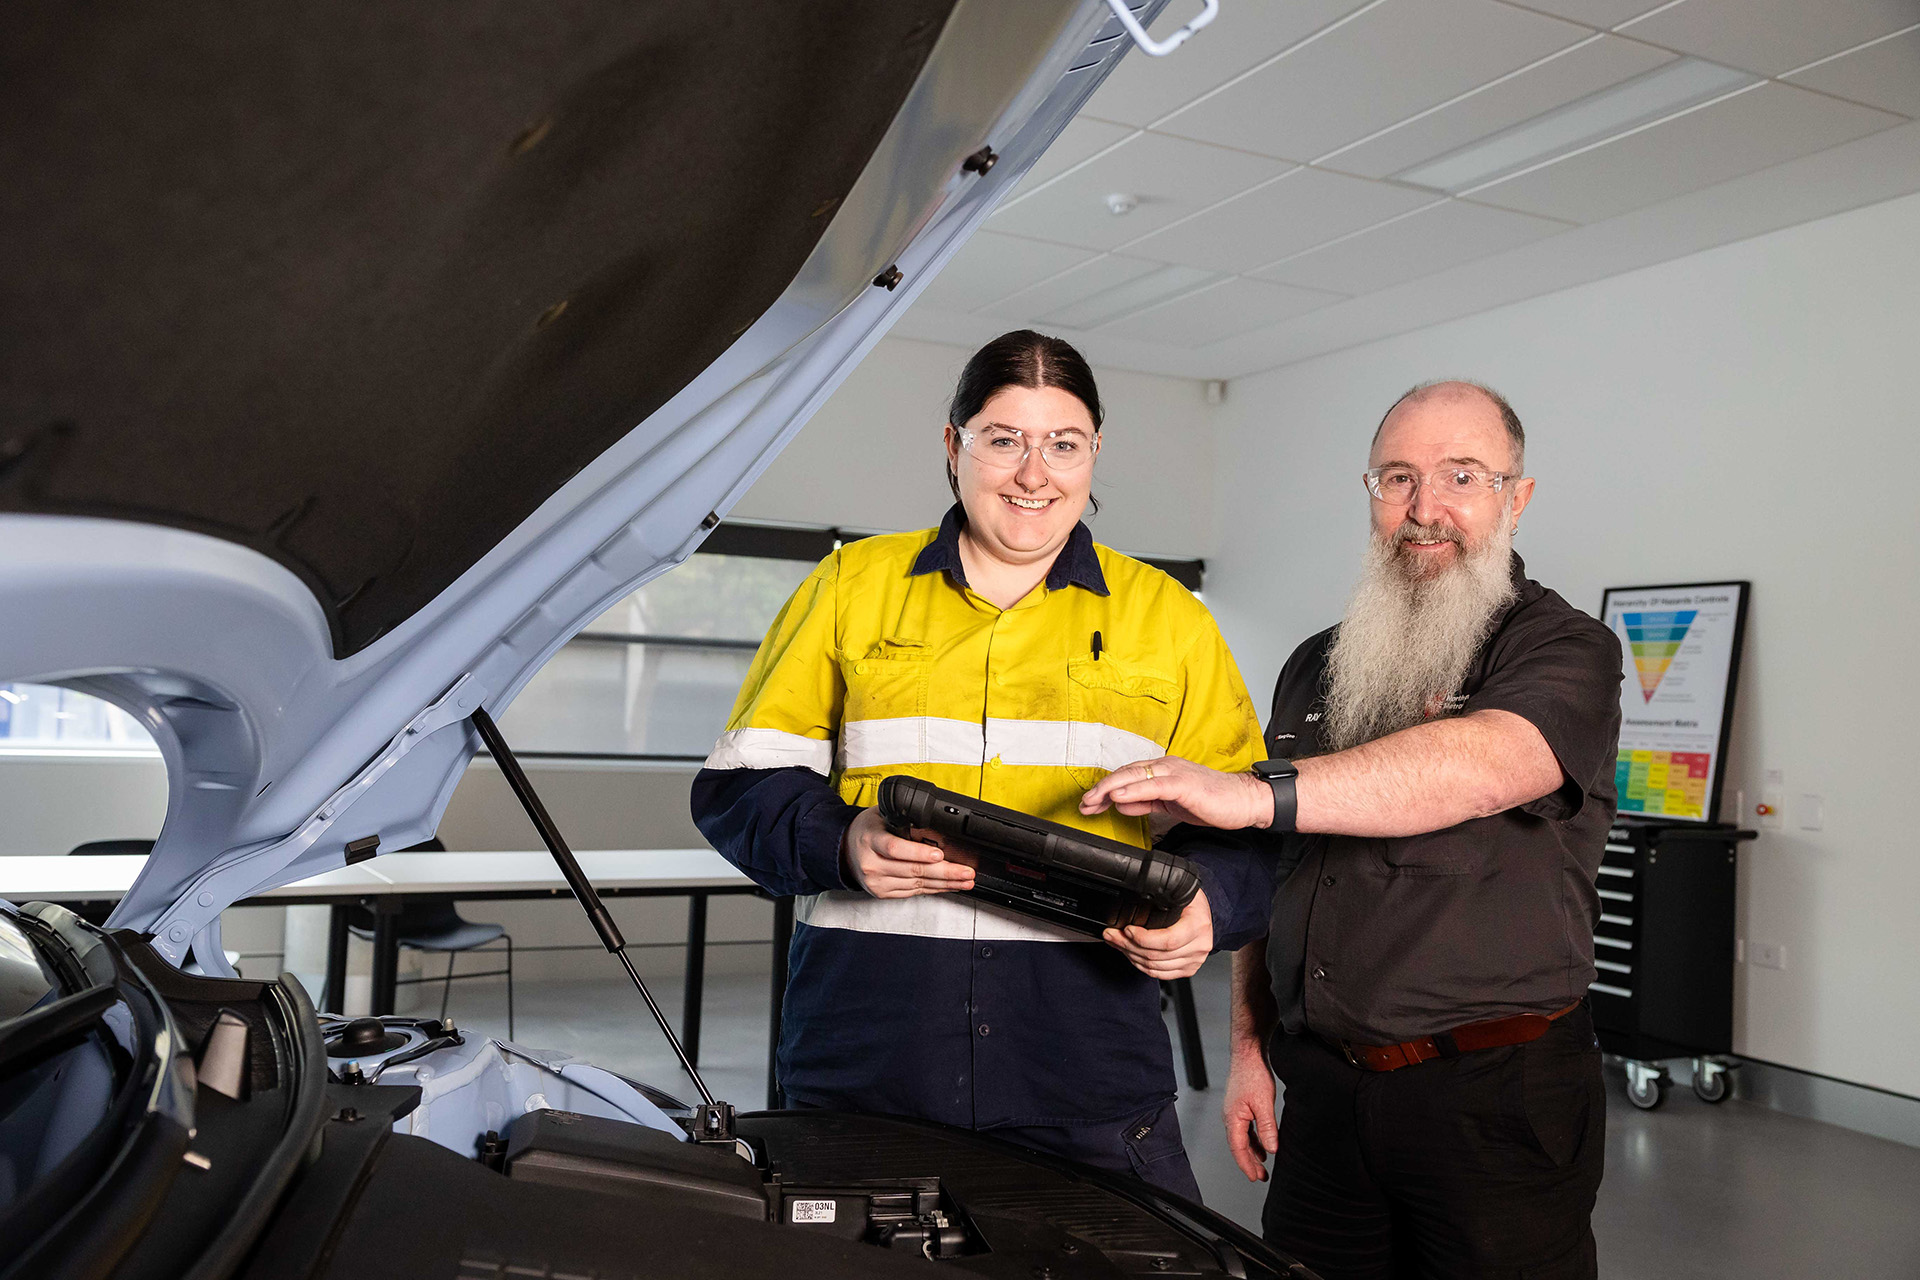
(1681, 649)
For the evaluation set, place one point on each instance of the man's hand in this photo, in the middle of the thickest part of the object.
(1252, 1135)
(890, 866)
(1185, 792)
(1176, 951)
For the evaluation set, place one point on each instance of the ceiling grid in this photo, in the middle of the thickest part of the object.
(1275, 188)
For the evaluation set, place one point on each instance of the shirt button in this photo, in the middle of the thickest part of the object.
(994, 763)
(986, 952)
(859, 668)
(1328, 882)
(983, 1028)
(1319, 971)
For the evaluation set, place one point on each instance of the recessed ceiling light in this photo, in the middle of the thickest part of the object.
(1664, 91)
(1120, 203)
(1123, 299)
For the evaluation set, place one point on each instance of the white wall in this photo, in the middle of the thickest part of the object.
(871, 457)
(1748, 412)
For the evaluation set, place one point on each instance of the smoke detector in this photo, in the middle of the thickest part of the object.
(1121, 203)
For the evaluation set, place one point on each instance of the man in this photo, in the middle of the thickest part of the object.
(1420, 991)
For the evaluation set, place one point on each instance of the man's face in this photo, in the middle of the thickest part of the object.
(1444, 428)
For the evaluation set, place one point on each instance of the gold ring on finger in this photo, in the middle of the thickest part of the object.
(1149, 769)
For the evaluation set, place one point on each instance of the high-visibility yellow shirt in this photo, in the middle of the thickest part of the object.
(874, 668)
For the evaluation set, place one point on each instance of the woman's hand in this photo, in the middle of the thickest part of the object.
(1176, 951)
(890, 866)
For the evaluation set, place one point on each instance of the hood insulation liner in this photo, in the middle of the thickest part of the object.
(360, 285)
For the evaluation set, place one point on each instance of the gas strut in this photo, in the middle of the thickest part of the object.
(713, 1121)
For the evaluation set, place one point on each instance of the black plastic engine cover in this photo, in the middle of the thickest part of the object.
(612, 1157)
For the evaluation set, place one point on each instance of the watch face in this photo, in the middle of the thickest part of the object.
(1276, 769)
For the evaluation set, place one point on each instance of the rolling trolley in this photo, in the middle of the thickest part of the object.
(1664, 949)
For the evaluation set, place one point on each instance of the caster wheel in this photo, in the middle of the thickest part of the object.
(1645, 1091)
(1712, 1085)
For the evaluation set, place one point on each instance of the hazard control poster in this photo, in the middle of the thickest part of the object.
(1681, 648)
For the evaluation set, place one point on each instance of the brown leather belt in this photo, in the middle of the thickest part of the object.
(1494, 1034)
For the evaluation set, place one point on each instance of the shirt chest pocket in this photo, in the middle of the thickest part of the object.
(888, 682)
(1120, 712)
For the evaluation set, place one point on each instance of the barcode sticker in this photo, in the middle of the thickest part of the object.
(813, 1210)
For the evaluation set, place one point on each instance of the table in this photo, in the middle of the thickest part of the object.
(383, 883)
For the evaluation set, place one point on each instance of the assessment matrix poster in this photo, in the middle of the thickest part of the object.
(1681, 647)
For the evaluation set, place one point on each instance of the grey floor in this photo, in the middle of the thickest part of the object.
(1692, 1192)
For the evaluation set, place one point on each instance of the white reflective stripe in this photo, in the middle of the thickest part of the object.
(930, 915)
(1073, 744)
(870, 744)
(770, 749)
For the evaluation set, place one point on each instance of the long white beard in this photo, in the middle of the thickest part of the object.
(1406, 642)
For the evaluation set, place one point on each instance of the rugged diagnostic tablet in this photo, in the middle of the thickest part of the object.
(1043, 869)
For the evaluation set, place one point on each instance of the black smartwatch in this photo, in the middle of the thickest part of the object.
(1281, 775)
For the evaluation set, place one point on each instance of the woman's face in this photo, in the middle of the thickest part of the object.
(1020, 509)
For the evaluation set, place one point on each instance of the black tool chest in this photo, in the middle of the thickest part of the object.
(1664, 950)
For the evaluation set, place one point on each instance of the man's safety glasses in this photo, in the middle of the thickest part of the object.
(1006, 448)
(1453, 486)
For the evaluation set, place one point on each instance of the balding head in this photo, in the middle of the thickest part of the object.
(1459, 390)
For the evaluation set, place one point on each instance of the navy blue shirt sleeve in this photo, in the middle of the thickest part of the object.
(783, 827)
(1239, 872)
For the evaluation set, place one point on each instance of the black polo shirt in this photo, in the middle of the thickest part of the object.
(1376, 941)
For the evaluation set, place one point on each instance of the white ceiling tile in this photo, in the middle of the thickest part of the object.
(1772, 36)
(1881, 75)
(1584, 69)
(1752, 131)
(1595, 13)
(1141, 292)
(1232, 307)
(1302, 209)
(1082, 282)
(1171, 177)
(992, 266)
(1080, 139)
(1386, 64)
(1142, 89)
(1417, 245)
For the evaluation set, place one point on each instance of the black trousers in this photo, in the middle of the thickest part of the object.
(1485, 1165)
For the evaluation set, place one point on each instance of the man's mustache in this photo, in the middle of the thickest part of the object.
(1414, 531)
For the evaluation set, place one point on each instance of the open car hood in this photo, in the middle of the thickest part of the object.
(352, 360)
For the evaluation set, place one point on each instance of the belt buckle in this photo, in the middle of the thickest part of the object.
(1353, 1059)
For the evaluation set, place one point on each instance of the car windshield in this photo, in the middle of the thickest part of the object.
(25, 979)
(52, 1105)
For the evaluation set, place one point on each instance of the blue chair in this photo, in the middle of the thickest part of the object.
(430, 922)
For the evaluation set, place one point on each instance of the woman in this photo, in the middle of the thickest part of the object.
(1006, 656)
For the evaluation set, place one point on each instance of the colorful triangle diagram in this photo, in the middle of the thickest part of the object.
(1655, 638)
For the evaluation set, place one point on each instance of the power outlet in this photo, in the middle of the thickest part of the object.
(1768, 955)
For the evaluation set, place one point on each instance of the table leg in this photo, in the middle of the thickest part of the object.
(782, 936)
(1188, 1019)
(333, 997)
(386, 954)
(696, 975)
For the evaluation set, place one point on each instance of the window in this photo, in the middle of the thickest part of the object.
(39, 718)
(656, 675)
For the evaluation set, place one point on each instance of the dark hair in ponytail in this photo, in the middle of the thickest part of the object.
(1022, 358)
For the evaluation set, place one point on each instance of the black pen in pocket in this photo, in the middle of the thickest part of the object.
(1096, 646)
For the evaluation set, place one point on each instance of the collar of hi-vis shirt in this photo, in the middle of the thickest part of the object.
(1077, 565)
